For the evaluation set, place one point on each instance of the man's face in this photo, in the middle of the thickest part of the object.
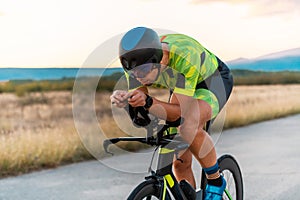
(146, 74)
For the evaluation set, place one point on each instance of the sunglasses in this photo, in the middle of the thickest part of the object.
(143, 70)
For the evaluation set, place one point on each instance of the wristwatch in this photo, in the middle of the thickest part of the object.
(149, 102)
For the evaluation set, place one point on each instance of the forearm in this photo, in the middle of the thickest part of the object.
(163, 110)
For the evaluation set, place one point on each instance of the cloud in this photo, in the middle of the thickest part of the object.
(272, 7)
(220, 1)
(259, 7)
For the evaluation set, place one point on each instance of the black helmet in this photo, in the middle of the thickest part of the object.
(139, 46)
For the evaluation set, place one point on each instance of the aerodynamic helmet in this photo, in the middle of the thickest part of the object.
(139, 46)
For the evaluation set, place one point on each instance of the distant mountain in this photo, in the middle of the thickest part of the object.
(281, 54)
(238, 61)
(288, 60)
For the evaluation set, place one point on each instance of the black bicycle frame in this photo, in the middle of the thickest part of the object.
(165, 175)
(168, 148)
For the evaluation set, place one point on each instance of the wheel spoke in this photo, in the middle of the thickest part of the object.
(151, 197)
(230, 192)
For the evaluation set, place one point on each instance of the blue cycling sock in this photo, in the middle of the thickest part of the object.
(212, 170)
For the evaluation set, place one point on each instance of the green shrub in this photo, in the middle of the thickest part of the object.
(246, 77)
(108, 83)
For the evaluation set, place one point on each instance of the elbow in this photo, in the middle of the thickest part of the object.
(175, 113)
(173, 118)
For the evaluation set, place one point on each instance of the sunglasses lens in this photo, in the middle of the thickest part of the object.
(142, 70)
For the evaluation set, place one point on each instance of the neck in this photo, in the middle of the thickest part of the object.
(165, 59)
(162, 67)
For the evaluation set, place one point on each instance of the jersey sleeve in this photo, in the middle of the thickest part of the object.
(191, 60)
(188, 67)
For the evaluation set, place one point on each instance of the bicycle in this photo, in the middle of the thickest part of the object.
(162, 184)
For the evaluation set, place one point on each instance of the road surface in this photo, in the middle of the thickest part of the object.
(268, 153)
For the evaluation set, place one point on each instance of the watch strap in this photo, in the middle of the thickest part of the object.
(149, 102)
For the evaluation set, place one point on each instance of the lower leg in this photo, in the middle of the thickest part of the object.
(202, 147)
(213, 175)
(205, 153)
(183, 168)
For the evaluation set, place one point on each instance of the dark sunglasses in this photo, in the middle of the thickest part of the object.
(143, 70)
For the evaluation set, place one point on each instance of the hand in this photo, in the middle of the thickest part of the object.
(119, 98)
(137, 98)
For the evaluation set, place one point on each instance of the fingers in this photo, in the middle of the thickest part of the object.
(119, 98)
(128, 95)
(137, 98)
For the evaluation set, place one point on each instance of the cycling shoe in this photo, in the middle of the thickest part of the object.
(214, 192)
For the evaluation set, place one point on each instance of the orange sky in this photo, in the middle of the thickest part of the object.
(63, 33)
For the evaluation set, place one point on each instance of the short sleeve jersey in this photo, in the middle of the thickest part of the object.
(189, 58)
(190, 64)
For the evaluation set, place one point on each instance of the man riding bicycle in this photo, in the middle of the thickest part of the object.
(200, 84)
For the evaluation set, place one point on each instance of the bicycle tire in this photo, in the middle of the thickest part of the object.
(231, 171)
(149, 189)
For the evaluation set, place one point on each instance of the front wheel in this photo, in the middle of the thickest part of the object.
(231, 172)
(147, 190)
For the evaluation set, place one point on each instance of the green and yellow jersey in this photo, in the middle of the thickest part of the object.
(189, 64)
(191, 59)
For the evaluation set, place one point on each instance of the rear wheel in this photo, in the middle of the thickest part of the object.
(147, 190)
(231, 172)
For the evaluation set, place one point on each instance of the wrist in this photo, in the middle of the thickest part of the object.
(149, 102)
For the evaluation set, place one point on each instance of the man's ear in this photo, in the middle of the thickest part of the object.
(165, 58)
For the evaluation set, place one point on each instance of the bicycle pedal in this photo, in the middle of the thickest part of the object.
(188, 190)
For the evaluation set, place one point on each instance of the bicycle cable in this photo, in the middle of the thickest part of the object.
(151, 162)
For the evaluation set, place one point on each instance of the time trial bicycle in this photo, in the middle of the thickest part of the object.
(161, 183)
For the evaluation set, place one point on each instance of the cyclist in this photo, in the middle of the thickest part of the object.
(200, 83)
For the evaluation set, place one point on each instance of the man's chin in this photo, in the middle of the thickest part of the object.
(149, 84)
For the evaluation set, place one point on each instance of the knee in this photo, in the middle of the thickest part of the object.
(189, 126)
(189, 131)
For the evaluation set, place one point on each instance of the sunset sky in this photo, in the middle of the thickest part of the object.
(63, 33)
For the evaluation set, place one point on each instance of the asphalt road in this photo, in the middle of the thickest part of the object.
(268, 153)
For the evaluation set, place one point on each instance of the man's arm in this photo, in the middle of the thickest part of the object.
(163, 110)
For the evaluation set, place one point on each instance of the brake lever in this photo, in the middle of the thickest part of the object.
(108, 142)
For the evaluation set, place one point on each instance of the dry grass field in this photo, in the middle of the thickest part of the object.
(37, 130)
(250, 104)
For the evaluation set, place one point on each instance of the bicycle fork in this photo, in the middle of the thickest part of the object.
(165, 177)
(165, 182)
